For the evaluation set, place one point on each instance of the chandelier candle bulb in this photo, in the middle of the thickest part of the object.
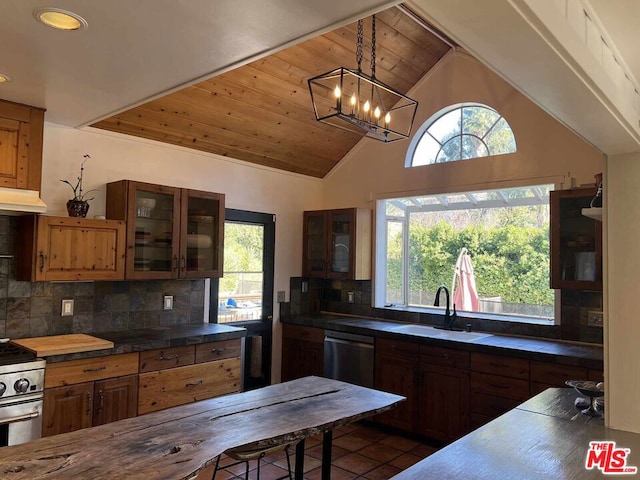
(353, 103)
(387, 120)
(376, 113)
(338, 94)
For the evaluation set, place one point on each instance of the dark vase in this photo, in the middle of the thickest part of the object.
(77, 208)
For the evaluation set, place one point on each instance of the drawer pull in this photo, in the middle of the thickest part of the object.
(498, 386)
(444, 356)
(193, 384)
(169, 357)
(218, 350)
(175, 263)
(99, 369)
(496, 364)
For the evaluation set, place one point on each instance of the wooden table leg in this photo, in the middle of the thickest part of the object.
(299, 468)
(327, 440)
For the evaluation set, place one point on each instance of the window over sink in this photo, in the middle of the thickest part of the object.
(490, 248)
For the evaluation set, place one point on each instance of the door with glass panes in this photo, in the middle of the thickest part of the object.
(244, 295)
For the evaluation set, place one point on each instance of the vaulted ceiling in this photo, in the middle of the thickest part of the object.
(262, 112)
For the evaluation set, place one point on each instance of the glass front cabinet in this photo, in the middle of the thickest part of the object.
(171, 232)
(337, 244)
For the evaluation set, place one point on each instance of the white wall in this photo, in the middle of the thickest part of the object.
(247, 187)
(622, 267)
(547, 150)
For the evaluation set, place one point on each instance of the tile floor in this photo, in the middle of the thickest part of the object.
(360, 451)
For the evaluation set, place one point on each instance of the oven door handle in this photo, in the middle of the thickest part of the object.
(19, 418)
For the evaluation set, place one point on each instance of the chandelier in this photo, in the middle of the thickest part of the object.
(354, 101)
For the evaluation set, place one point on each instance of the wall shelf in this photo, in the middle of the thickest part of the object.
(593, 212)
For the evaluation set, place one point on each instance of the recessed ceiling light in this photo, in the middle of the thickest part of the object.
(4, 78)
(60, 19)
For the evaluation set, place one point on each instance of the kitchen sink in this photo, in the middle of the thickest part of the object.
(432, 332)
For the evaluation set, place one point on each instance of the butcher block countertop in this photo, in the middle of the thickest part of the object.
(61, 344)
(546, 437)
(139, 340)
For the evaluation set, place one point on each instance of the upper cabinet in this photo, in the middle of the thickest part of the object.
(171, 232)
(576, 241)
(21, 129)
(337, 244)
(69, 248)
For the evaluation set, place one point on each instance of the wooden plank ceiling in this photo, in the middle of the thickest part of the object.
(262, 113)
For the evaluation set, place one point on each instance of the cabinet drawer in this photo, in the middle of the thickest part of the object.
(181, 385)
(90, 369)
(162, 358)
(552, 374)
(297, 332)
(445, 357)
(512, 388)
(208, 352)
(491, 406)
(396, 348)
(498, 365)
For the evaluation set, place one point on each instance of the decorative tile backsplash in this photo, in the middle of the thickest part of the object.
(34, 309)
(333, 296)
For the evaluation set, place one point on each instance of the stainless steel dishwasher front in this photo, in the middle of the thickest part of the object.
(349, 357)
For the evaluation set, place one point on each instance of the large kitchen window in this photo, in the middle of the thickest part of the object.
(490, 248)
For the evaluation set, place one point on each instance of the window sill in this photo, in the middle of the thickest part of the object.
(471, 315)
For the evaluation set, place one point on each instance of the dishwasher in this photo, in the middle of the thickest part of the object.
(349, 357)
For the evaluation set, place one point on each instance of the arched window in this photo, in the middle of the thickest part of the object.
(461, 132)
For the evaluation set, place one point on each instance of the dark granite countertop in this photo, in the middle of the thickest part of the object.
(126, 341)
(542, 349)
(545, 437)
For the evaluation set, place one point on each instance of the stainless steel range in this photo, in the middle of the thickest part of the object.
(21, 391)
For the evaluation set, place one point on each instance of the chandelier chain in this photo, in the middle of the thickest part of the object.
(359, 44)
(373, 46)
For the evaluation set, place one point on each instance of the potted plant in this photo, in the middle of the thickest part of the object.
(78, 206)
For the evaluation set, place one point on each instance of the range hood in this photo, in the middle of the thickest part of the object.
(14, 201)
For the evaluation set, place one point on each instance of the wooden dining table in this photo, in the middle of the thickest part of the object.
(179, 442)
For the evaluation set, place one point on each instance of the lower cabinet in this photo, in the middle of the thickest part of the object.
(94, 391)
(179, 375)
(396, 371)
(498, 384)
(444, 393)
(302, 352)
(89, 392)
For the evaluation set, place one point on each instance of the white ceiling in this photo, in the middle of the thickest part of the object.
(134, 50)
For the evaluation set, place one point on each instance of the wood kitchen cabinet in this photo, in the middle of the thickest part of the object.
(171, 232)
(89, 392)
(69, 248)
(21, 132)
(302, 352)
(576, 241)
(337, 244)
(443, 393)
(396, 371)
(497, 385)
(178, 375)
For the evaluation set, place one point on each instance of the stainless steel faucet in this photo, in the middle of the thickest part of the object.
(449, 317)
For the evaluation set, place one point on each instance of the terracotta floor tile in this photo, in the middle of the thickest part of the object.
(267, 472)
(336, 452)
(423, 450)
(369, 433)
(405, 461)
(336, 474)
(309, 463)
(401, 443)
(380, 452)
(356, 463)
(383, 472)
(351, 442)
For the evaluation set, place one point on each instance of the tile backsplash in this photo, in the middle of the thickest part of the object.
(333, 296)
(31, 309)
